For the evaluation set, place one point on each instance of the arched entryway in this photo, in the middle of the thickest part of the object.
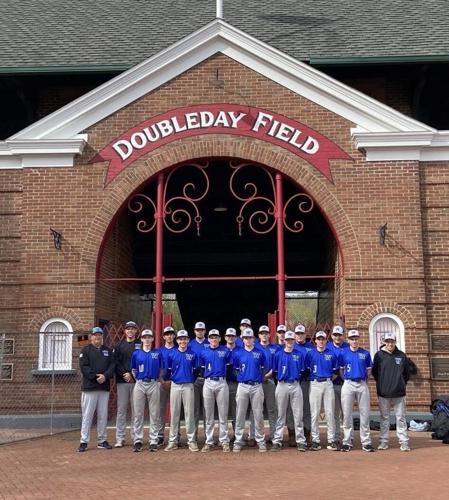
(219, 239)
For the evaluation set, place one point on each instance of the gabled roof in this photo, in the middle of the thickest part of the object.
(377, 125)
(44, 35)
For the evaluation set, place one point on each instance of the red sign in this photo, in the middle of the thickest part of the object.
(233, 119)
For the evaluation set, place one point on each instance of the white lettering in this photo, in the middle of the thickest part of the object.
(206, 119)
(123, 153)
(293, 140)
(235, 119)
(273, 128)
(176, 126)
(139, 140)
(192, 120)
(221, 120)
(165, 127)
(262, 120)
(310, 146)
(152, 137)
(284, 132)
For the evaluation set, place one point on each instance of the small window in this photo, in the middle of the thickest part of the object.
(55, 345)
(380, 325)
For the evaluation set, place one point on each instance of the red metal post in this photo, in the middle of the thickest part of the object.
(280, 277)
(158, 279)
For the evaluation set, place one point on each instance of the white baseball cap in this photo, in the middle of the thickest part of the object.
(289, 335)
(390, 336)
(182, 333)
(320, 334)
(338, 330)
(147, 333)
(130, 324)
(245, 321)
(300, 329)
(169, 329)
(353, 333)
(199, 325)
(281, 328)
(264, 328)
(231, 331)
(212, 332)
(247, 332)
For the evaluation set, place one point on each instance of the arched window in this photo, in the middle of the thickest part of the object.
(380, 325)
(55, 345)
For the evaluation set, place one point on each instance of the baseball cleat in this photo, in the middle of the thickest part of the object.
(368, 448)
(237, 448)
(119, 444)
(345, 447)
(301, 447)
(82, 448)
(137, 447)
(276, 447)
(193, 447)
(153, 448)
(383, 446)
(104, 446)
(206, 448)
(226, 448)
(171, 447)
(332, 446)
(315, 446)
(405, 447)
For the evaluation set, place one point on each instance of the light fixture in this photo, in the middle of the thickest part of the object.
(383, 233)
(220, 208)
(57, 239)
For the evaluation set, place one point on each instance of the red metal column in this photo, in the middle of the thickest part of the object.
(280, 277)
(158, 279)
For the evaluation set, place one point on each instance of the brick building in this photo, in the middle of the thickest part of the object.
(230, 178)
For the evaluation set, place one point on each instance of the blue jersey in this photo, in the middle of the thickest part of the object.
(355, 363)
(250, 365)
(239, 342)
(164, 353)
(146, 364)
(337, 350)
(321, 364)
(304, 348)
(288, 365)
(270, 351)
(198, 347)
(231, 374)
(182, 366)
(215, 361)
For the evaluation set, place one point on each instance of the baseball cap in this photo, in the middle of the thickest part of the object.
(390, 336)
(245, 321)
(300, 329)
(247, 332)
(289, 335)
(199, 325)
(182, 333)
(338, 330)
(169, 329)
(353, 333)
(212, 332)
(130, 324)
(97, 329)
(231, 331)
(264, 328)
(146, 333)
(320, 334)
(281, 328)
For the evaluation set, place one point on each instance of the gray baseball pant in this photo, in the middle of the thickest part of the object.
(398, 405)
(289, 395)
(249, 394)
(322, 392)
(305, 388)
(350, 392)
(124, 400)
(338, 412)
(92, 401)
(269, 390)
(143, 392)
(198, 403)
(216, 391)
(182, 394)
(232, 396)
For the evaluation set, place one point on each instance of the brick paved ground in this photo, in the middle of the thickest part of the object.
(51, 468)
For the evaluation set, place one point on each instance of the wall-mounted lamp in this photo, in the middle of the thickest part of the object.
(383, 233)
(57, 239)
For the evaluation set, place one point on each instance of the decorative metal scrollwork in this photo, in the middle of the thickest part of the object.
(305, 205)
(136, 205)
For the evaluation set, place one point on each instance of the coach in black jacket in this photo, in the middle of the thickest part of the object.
(390, 370)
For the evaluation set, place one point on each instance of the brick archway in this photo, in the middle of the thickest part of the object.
(298, 170)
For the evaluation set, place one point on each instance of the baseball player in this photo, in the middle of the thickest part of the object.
(244, 323)
(250, 364)
(146, 365)
(97, 367)
(280, 334)
(391, 372)
(169, 344)
(231, 377)
(182, 365)
(123, 352)
(214, 362)
(355, 368)
(336, 346)
(322, 365)
(197, 345)
(288, 365)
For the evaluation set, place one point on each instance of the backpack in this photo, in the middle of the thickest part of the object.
(440, 422)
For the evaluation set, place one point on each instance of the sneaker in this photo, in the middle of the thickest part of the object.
(226, 448)
(193, 446)
(345, 447)
(206, 448)
(302, 447)
(160, 441)
(119, 444)
(332, 446)
(171, 447)
(262, 448)
(104, 446)
(82, 448)
(236, 449)
(368, 448)
(315, 446)
(153, 448)
(251, 443)
(137, 447)
(383, 446)
(405, 447)
(276, 447)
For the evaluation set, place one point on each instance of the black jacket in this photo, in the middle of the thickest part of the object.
(93, 361)
(123, 352)
(391, 373)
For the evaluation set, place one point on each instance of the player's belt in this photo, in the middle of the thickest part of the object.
(216, 379)
(148, 379)
(251, 382)
(289, 381)
(356, 379)
(321, 379)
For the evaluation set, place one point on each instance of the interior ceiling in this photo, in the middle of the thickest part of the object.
(219, 250)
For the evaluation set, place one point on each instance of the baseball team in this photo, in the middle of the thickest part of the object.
(292, 379)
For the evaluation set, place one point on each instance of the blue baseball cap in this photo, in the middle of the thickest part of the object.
(96, 329)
